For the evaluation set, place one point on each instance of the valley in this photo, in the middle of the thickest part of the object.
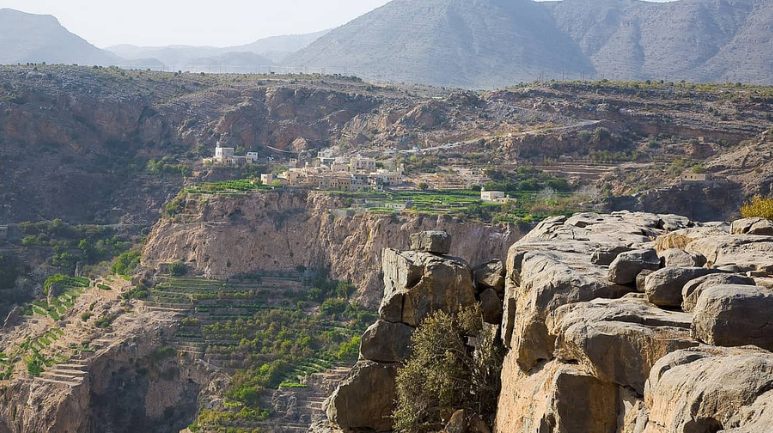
(145, 288)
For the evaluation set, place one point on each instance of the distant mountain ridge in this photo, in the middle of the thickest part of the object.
(267, 51)
(495, 43)
(28, 38)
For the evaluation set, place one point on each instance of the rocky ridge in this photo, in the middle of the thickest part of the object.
(687, 348)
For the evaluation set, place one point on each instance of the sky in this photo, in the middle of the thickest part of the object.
(194, 22)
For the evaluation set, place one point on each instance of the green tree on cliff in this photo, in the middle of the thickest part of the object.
(445, 374)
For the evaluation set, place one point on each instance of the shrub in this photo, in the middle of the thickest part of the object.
(758, 207)
(86, 316)
(178, 269)
(443, 375)
(126, 263)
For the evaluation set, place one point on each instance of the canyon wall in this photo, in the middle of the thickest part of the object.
(223, 236)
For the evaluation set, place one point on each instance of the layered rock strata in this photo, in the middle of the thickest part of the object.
(588, 353)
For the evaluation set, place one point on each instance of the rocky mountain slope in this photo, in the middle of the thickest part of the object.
(220, 237)
(28, 38)
(628, 322)
(490, 43)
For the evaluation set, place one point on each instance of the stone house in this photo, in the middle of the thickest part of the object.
(495, 196)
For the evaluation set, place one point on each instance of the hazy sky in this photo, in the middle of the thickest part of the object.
(194, 22)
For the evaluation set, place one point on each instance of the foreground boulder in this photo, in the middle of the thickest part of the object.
(607, 337)
(490, 275)
(709, 389)
(628, 265)
(386, 342)
(418, 283)
(664, 287)
(677, 258)
(436, 242)
(734, 315)
(693, 289)
(753, 226)
(365, 399)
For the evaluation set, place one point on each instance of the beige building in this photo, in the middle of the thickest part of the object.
(697, 177)
(267, 179)
(360, 164)
(495, 196)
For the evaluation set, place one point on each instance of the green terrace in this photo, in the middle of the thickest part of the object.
(268, 330)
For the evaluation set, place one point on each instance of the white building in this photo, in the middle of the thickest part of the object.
(495, 196)
(252, 157)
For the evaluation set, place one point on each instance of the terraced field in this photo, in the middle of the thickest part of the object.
(267, 332)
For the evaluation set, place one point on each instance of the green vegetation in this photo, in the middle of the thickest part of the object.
(228, 187)
(164, 166)
(126, 263)
(69, 244)
(443, 375)
(758, 207)
(64, 281)
(268, 336)
(178, 269)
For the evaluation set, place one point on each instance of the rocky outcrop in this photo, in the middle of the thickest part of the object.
(224, 236)
(627, 266)
(588, 354)
(753, 226)
(734, 315)
(416, 284)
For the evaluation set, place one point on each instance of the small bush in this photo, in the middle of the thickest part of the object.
(758, 207)
(104, 287)
(178, 269)
(86, 316)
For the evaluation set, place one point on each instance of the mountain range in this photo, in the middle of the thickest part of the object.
(469, 43)
(494, 43)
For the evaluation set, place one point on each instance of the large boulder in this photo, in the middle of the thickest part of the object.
(436, 242)
(693, 289)
(557, 397)
(708, 389)
(746, 252)
(753, 226)
(678, 258)
(627, 266)
(417, 284)
(618, 340)
(491, 307)
(664, 287)
(734, 315)
(365, 399)
(386, 342)
(605, 256)
(490, 275)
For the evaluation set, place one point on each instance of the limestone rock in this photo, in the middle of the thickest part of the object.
(458, 422)
(365, 398)
(677, 258)
(436, 242)
(386, 342)
(664, 287)
(753, 226)
(605, 257)
(748, 252)
(12, 319)
(491, 306)
(627, 266)
(490, 275)
(641, 279)
(418, 283)
(734, 315)
(556, 397)
(708, 389)
(693, 289)
(671, 222)
(618, 340)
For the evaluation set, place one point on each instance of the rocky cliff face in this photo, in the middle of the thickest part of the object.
(627, 322)
(280, 230)
(587, 354)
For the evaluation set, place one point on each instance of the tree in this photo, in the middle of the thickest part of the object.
(444, 374)
(758, 207)
(423, 186)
